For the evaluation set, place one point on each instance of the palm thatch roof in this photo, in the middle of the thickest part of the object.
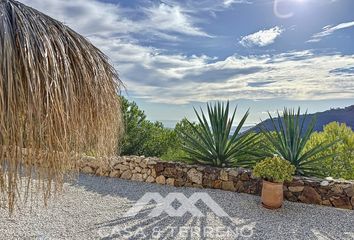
(58, 98)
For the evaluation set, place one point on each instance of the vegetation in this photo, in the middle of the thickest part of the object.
(340, 163)
(210, 141)
(213, 144)
(58, 98)
(289, 140)
(176, 152)
(143, 137)
(274, 169)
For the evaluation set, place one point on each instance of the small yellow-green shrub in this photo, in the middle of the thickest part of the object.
(274, 169)
(339, 158)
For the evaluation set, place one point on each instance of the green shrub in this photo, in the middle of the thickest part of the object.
(212, 144)
(289, 139)
(141, 136)
(339, 158)
(274, 169)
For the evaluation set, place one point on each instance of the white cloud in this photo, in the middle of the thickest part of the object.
(330, 29)
(178, 79)
(261, 38)
(159, 76)
(92, 17)
(228, 3)
(171, 19)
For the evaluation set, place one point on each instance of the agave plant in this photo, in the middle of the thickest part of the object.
(289, 138)
(213, 144)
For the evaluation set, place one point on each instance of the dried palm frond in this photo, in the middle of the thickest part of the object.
(58, 99)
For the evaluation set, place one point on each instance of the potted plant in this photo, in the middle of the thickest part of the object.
(274, 171)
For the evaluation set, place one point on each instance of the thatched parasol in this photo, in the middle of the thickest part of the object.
(58, 99)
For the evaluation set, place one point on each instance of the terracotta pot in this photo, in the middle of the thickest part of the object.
(272, 195)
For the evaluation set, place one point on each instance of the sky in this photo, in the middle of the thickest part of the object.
(258, 54)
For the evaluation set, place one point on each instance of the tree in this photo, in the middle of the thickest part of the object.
(175, 152)
(339, 158)
(135, 134)
(141, 136)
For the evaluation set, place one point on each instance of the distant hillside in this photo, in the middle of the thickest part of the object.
(341, 115)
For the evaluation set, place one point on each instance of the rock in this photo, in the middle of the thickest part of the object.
(126, 174)
(297, 181)
(233, 173)
(323, 191)
(349, 190)
(200, 168)
(244, 176)
(228, 186)
(352, 202)
(142, 164)
(296, 189)
(179, 182)
(324, 183)
(151, 162)
(150, 179)
(337, 189)
(159, 168)
(239, 186)
(341, 202)
(208, 183)
(160, 180)
(288, 194)
(195, 176)
(170, 181)
(121, 167)
(224, 175)
(309, 195)
(102, 171)
(326, 203)
(217, 184)
(153, 173)
(114, 173)
(170, 172)
(87, 170)
(131, 166)
(137, 177)
(329, 178)
(138, 169)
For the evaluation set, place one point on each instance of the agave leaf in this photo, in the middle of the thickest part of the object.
(212, 144)
(290, 139)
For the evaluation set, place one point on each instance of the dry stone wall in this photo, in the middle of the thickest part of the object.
(327, 192)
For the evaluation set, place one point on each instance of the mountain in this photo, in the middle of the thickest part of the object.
(341, 115)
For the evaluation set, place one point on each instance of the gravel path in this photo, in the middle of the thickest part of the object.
(94, 208)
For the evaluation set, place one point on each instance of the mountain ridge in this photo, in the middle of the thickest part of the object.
(341, 115)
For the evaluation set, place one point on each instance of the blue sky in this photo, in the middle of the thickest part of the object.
(259, 54)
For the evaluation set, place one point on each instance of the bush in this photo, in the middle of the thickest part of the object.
(339, 158)
(175, 151)
(143, 137)
(274, 169)
(213, 144)
(289, 140)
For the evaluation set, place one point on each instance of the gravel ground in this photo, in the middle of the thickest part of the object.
(94, 208)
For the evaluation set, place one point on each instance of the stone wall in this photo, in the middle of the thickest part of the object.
(327, 192)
